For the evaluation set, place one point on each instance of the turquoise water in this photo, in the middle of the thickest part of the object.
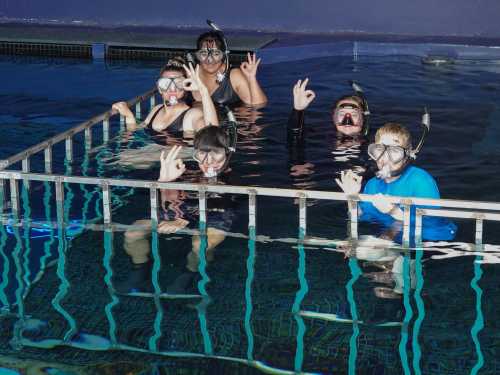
(263, 302)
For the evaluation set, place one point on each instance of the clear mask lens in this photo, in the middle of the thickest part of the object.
(394, 153)
(166, 84)
(209, 55)
(347, 116)
(215, 156)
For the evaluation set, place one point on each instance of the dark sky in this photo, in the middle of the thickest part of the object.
(424, 17)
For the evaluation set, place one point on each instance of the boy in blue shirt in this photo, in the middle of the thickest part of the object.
(393, 153)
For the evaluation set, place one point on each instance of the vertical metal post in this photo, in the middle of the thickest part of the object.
(406, 224)
(106, 203)
(105, 130)
(3, 198)
(418, 226)
(88, 138)
(14, 196)
(479, 231)
(138, 110)
(69, 149)
(153, 194)
(202, 198)
(252, 210)
(47, 153)
(60, 202)
(353, 218)
(152, 101)
(26, 169)
(302, 214)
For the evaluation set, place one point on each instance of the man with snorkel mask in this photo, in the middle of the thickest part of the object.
(349, 114)
(393, 154)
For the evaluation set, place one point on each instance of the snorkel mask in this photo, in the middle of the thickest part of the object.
(215, 55)
(218, 154)
(166, 84)
(353, 114)
(397, 154)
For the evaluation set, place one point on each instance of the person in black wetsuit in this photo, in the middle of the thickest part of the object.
(212, 150)
(227, 86)
(174, 114)
(350, 115)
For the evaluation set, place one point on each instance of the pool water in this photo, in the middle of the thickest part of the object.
(266, 302)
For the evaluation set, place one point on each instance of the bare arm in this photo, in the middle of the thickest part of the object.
(248, 70)
(130, 121)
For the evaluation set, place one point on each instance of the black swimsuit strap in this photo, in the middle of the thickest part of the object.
(150, 124)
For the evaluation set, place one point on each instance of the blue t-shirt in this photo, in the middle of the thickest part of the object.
(413, 182)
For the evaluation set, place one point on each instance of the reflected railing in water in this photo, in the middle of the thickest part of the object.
(101, 194)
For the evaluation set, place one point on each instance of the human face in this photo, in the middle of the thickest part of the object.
(387, 161)
(348, 117)
(210, 56)
(210, 162)
(171, 84)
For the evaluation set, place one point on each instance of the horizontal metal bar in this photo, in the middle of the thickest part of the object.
(70, 132)
(459, 214)
(246, 190)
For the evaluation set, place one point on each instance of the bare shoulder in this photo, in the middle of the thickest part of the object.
(236, 75)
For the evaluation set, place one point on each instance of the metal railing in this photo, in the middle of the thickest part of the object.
(474, 210)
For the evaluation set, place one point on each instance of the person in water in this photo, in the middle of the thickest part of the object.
(226, 85)
(349, 114)
(174, 114)
(212, 150)
(397, 176)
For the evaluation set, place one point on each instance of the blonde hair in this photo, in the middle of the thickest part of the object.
(396, 130)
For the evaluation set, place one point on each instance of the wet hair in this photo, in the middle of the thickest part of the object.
(174, 64)
(354, 98)
(211, 36)
(210, 138)
(396, 130)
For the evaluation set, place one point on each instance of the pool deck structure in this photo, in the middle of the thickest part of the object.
(150, 42)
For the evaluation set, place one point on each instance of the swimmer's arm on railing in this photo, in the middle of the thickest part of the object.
(123, 109)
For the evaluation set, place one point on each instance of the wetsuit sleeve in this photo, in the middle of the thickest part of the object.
(295, 127)
(295, 137)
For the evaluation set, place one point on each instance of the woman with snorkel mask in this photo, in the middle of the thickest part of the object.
(175, 114)
(226, 85)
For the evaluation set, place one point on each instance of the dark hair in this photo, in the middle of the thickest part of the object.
(174, 64)
(211, 35)
(211, 137)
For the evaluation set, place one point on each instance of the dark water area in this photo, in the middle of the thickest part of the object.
(256, 303)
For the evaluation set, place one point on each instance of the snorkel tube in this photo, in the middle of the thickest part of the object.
(218, 30)
(412, 154)
(366, 110)
(426, 127)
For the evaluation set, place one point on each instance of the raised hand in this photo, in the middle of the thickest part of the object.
(171, 168)
(302, 97)
(349, 182)
(193, 82)
(249, 67)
